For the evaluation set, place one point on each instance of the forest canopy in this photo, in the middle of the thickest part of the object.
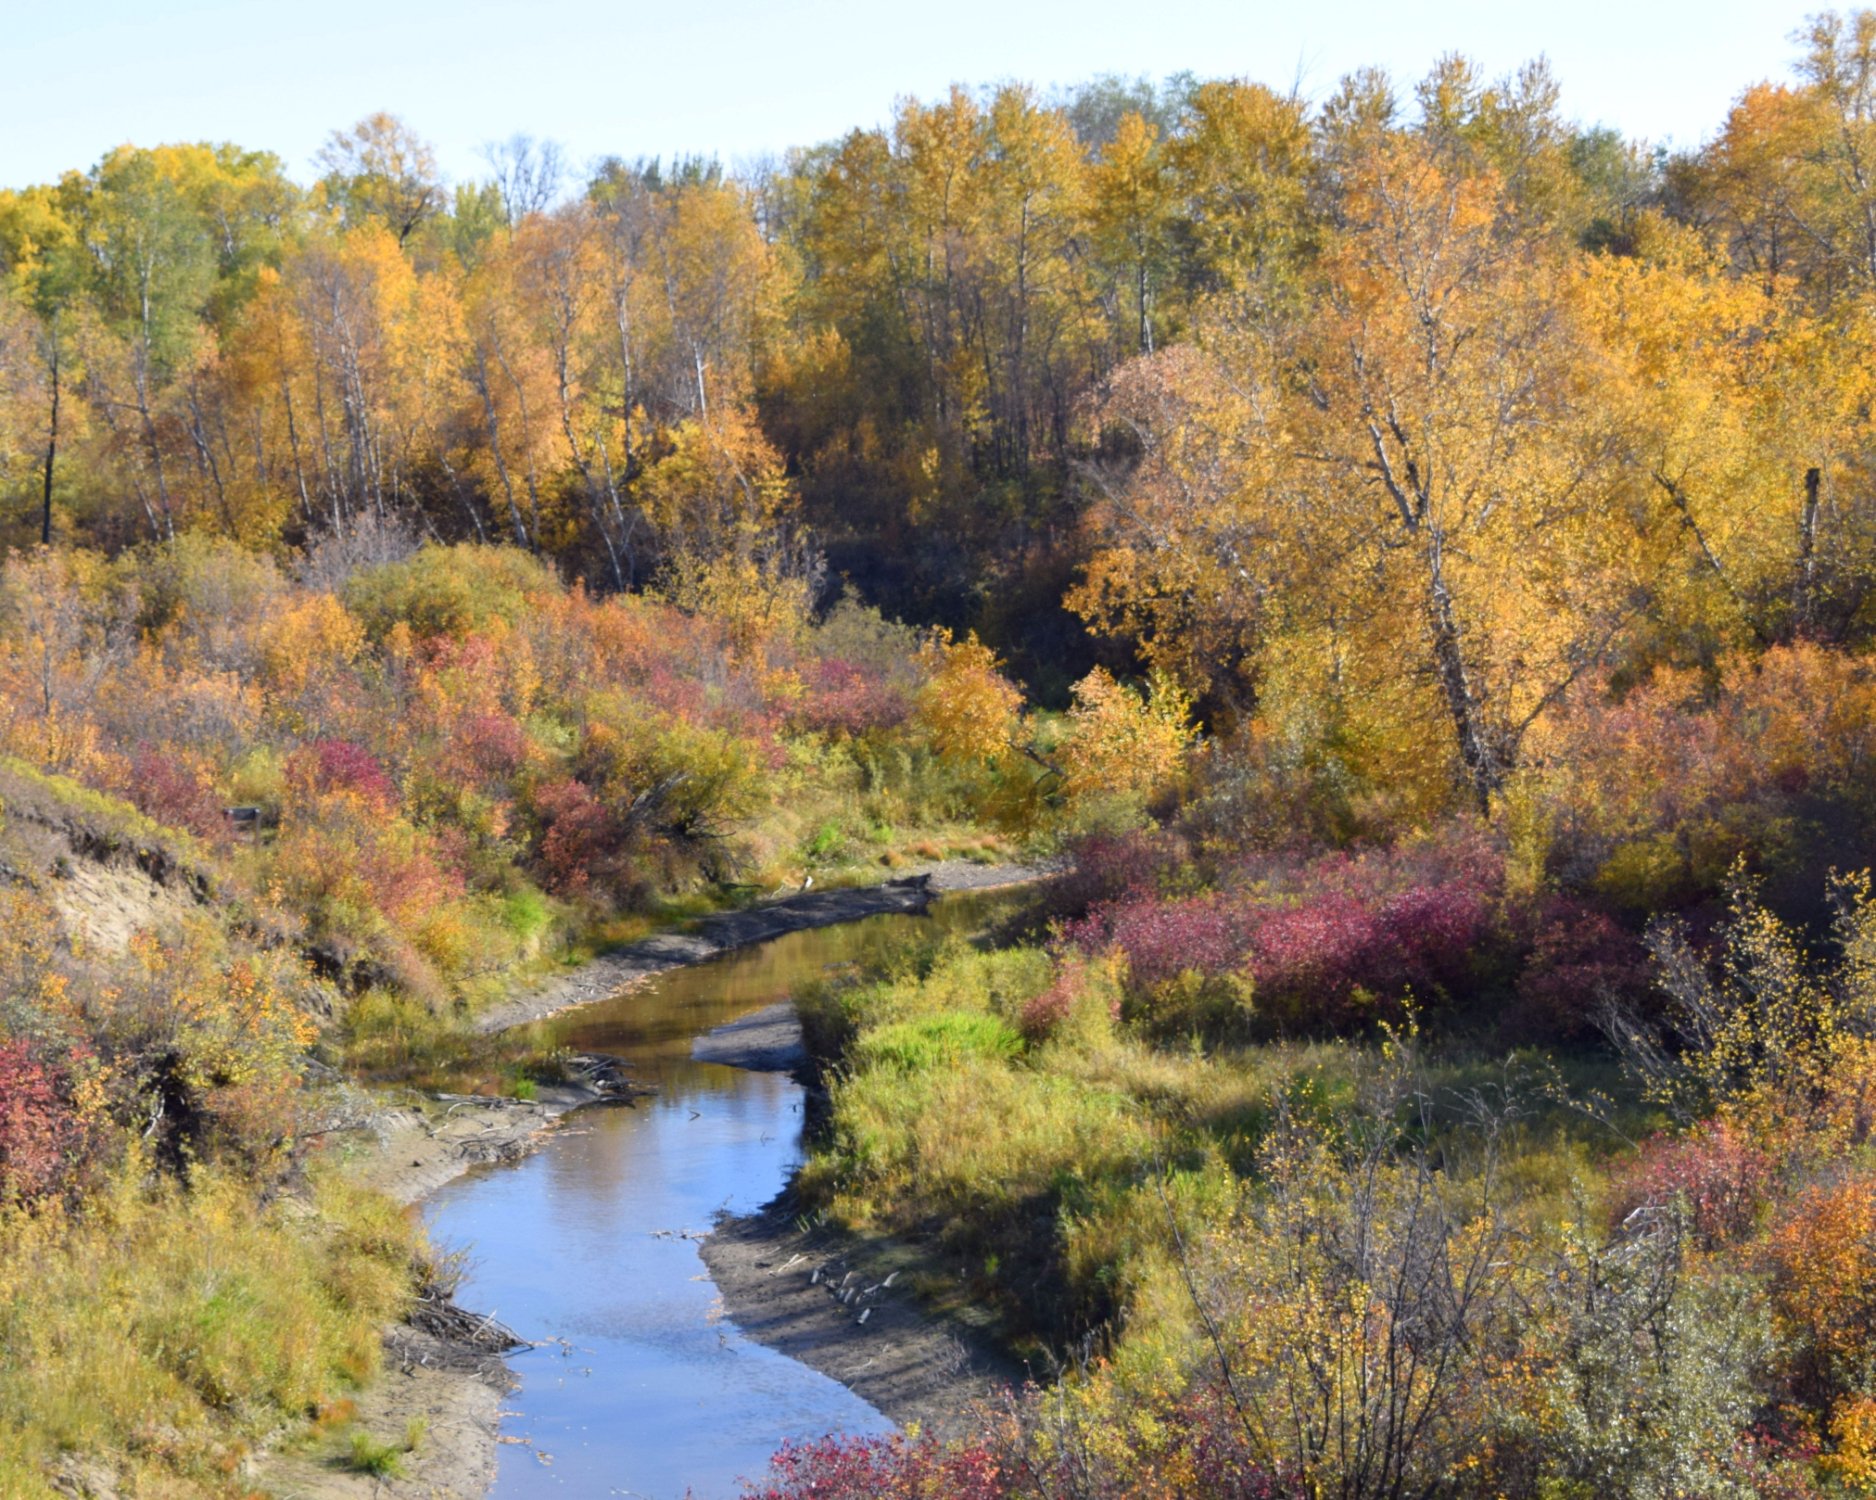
(1423, 387)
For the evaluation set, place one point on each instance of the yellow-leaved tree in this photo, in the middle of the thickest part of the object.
(1402, 504)
(1122, 745)
(968, 711)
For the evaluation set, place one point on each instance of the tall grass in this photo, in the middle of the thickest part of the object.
(171, 1331)
(991, 1106)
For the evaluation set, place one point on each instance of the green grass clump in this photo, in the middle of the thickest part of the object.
(382, 1459)
(374, 1456)
(527, 913)
(939, 1041)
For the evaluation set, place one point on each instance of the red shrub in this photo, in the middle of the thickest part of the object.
(1433, 929)
(1723, 1179)
(172, 793)
(1320, 950)
(1653, 793)
(1105, 867)
(1580, 960)
(411, 881)
(1208, 935)
(673, 692)
(883, 1468)
(1381, 922)
(42, 1138)
(1204, 1428)
(1320, 938)
(848, 700)
(1045, 1012)
(342, 766)
(1199, 1450)
(493, 744)
(579, 837)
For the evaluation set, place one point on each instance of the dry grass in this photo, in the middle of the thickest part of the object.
(167, 1333)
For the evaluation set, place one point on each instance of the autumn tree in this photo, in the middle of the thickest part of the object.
(381, 171)
(44, 305)
(1242, 159)
(1131, 217)
(1742, 419)
(1121, 743)
(528, 175)
(971, 713)
(1186, 557)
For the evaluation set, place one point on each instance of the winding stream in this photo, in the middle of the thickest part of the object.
(646, 1389)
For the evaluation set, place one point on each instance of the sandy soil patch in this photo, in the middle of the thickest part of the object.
(456, 1395)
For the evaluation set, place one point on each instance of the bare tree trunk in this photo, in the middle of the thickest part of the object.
(52, 449)
(622, 315)
(1679, 498)
(595, 496)
(1146, 323)
(628, 578)
(167, 529)
(108, 409)
(534, 488)
(481, 380)
(335, 488)
(293, 447)
(1804, 602)
(463, 495)
(205, 456)
(1414, 507)
(1481, 758)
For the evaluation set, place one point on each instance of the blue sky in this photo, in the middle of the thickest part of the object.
(737, 78)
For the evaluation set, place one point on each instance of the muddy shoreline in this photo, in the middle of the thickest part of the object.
(764, 1041)
(840, 1305)
(904, 1363)
(454, 1390)
(846, 1307)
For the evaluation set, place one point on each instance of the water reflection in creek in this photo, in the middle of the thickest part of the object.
(651, 1391)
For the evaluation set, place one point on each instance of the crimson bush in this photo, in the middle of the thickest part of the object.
(847, 700)
(43, 1140)
(1720, 1178)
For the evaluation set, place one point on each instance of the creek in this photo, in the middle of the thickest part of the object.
(638, 1384)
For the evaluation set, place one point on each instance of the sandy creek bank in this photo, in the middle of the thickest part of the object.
(895, 1358)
